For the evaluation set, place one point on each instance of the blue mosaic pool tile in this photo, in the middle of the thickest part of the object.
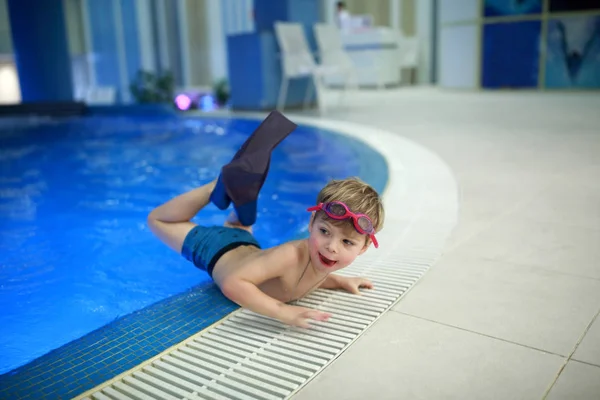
(117, 347)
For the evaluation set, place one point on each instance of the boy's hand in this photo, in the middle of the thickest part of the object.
(353, 284)
(300, 316)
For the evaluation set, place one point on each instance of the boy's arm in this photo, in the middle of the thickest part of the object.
(248, 295)
(242, 287)
(332, 282)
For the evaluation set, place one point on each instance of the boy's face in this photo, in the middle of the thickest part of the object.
(332, 247)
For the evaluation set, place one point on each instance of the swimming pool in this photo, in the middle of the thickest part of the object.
(75, 252)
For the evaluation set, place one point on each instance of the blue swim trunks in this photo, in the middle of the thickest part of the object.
(204, 245)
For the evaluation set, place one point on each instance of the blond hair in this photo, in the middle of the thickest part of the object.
(358, 196)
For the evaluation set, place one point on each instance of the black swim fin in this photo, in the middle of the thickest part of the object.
(240, 181)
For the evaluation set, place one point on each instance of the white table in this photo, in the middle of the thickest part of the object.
(374, 51)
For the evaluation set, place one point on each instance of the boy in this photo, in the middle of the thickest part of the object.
(342, 226)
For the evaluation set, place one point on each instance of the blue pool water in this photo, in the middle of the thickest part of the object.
(75, 252)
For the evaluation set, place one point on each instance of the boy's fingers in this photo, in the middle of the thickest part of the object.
(355, 290)
(367, 283)
(318, 315)
(321, 316)
(304, 323)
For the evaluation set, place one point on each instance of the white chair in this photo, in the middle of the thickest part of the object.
(408, 54)
(333, 54)
(298, 62)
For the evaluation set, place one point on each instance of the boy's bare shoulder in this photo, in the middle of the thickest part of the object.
(286, 254)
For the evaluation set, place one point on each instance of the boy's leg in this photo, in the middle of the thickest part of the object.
(170, 222)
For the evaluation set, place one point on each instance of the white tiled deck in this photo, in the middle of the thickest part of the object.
(510, 311)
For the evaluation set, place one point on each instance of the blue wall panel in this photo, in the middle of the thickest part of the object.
(266, 12)
(511, 54)
(104, 42)
(244, 65)
(41, 50)
(130, 33)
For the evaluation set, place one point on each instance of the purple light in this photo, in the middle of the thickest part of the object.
(183, 102)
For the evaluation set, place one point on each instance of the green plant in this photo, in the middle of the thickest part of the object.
(148, 87)
(221, 89)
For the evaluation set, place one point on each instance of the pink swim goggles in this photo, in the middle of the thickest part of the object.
(338, 210)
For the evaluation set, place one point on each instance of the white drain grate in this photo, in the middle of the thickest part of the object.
(248, 356)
